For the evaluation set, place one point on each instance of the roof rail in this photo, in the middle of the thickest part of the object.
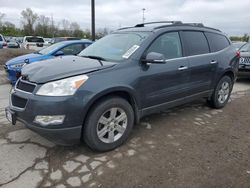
(170, 23)
(149, 23)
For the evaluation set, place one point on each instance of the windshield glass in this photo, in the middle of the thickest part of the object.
(245, 48)
(116, 47)
(50, 48)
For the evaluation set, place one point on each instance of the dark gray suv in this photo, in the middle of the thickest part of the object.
(100, 94)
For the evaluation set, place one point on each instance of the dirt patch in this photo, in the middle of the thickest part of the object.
(7, 54)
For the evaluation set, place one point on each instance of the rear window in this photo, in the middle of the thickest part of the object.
(34, 39)
(195, 43)
(217, 42)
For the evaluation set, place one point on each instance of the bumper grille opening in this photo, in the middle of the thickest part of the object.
(25, 86)
(18, 101)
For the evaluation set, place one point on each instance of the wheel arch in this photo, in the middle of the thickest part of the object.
(123, 92)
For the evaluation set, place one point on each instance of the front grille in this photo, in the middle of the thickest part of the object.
(25, 86)
(18, 101)
(245, 60)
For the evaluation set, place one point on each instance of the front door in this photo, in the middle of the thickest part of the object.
(162, 83)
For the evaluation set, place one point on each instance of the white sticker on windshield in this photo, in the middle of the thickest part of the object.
(130, 51)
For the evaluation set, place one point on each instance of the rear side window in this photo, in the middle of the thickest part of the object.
(217, 42)
(195, 43)
(34, 39)
(167, 44)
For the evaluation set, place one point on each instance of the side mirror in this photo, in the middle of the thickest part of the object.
(59, 53)
(154, 57)
(7, 40)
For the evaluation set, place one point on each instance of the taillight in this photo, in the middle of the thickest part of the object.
(4, 44)
(238, 54)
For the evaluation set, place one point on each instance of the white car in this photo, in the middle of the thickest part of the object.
(3, 43)
(34, 43)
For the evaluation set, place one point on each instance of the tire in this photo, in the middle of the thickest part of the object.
(113, 114)
(216, 100)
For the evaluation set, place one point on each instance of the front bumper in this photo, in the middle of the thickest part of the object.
(72, 107)
(60, 136)
(12, 74)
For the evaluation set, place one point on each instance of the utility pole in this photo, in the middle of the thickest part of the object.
(143, 15)
(93, 20)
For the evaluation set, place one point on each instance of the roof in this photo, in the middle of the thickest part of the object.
(75, 41)
(152, 26)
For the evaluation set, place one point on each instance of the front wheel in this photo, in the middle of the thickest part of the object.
(221, 93)
(108, 124)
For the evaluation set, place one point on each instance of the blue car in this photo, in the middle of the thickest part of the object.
(13, 67)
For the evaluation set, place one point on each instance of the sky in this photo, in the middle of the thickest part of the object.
(230, 16)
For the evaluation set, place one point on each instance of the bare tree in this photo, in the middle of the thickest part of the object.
(42, 27)
(29, 19)
(65, 24)
(1, 18)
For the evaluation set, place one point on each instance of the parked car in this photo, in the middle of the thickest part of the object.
(3, 43)
(60, 39)
(238, 45)
(244, 63)
(48, 41)
(100, 94)
(14, 66)
(12, 43)
(34, 43)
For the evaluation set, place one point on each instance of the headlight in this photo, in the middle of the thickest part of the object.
(64, 87)
(18, 66)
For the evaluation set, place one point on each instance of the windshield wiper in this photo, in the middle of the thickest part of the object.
(95, 57)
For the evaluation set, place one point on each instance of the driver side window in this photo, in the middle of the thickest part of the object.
(168, 44)
(73, 49)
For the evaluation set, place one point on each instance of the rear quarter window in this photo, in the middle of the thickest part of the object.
(217, 42)
(34, 39)
(195, 43)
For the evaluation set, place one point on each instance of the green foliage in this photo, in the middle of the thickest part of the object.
(244, 38)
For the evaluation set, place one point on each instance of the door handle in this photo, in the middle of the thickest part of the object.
(213, 62)
(182, 68)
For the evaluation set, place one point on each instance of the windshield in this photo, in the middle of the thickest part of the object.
(50, 49)
(116, 47)
(245, 48)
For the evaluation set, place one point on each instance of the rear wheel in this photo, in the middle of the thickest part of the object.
(108, 124)
(221, 93)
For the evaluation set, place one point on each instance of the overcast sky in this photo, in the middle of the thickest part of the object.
(232, 17)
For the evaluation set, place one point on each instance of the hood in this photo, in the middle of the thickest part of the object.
(244, 54)
(21, 59)
(62, 67)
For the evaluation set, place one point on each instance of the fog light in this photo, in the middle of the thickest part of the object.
(49, 120)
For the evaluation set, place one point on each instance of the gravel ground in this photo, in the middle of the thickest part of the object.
(189, 146)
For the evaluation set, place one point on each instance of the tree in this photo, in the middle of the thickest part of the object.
(42, 27)
(1, 19)
(65, 28)
(75, 29)
(29, 19)
(245, 38)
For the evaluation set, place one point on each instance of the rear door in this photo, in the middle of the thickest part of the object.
(162, 83)
(202, 64)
